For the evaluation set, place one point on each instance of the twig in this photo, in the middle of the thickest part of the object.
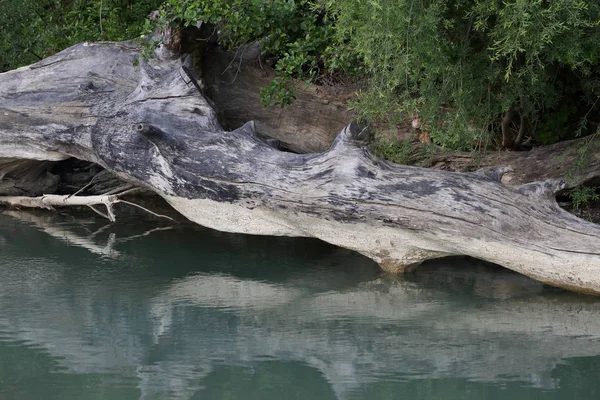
(145, 209)
(83, 188)
(233, 60)
(109, 210)
(239, 65)
(118, 190)
(164, 228)
(47, 201)
(100, 213)
(192, 79)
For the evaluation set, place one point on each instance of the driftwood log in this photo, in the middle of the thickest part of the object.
(146, 122)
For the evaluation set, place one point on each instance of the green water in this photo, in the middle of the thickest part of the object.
(90, 310)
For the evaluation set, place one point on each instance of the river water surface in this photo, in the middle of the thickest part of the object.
(90, 310)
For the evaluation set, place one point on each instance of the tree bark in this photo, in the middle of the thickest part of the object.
(102, 103)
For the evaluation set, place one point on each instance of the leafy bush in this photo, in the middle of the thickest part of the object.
(583, 196)
(467, 64)
(400, 152)
(471, 69)
(33, 29)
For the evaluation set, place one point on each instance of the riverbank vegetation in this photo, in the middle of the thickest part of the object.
(31, 30)
(501, 73)
(497, 74)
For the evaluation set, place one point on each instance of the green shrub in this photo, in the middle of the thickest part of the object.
(583, 196)
(33, 29)
(462, 65)
(399, 152)
(468, 63)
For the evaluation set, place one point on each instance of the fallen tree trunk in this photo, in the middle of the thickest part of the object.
(145, 122)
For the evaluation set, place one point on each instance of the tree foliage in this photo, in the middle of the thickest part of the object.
(33, 29)
(475, 71)
(465, 64)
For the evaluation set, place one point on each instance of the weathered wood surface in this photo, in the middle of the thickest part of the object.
(148, 125)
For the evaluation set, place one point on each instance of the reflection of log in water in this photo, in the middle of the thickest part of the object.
(45, 222)
(406, 329)
(117, 315)
(477, 277)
